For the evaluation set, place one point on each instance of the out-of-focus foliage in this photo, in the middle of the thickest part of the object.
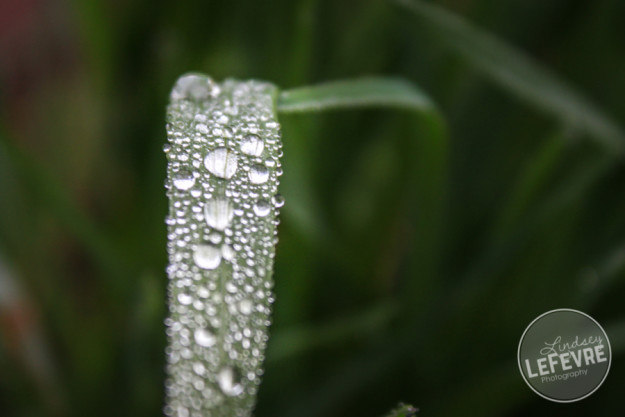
(406, 269)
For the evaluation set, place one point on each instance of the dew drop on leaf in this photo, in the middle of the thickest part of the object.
(278, 200)
(221, 162)
(262, 208)
(204, 337)
(252, 145)
(184, 299)
(207, 256)
(259, 174)
(183, 180)
(229, 381)
(193, 87)
(245, 307)
(218, 212)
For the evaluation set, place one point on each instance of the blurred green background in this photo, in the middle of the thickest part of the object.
(390, 286)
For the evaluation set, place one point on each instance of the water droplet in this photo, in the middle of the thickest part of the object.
(193, 87)
(227, 252)
(204, 337)
(218, 212)
(246, 307)
(262, 208)
(199, 368)
(221, 162)
(182, 412)
(183, 180)
(229, 381)
(278, 200)
(185, 299)
(252, 145)
(215, 238)
(259, 174)
(207, 256)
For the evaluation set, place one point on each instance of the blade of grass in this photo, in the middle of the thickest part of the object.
(364, 92)
(345, 382)
(505, 392)
(600, 280)
(518, 73)
(497, 255)
(403, 410)
(289, 343)
(220, 262)
(537, 172)
(53, 196)
(426, 153)
(616, 333)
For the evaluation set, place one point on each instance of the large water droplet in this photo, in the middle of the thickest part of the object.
(218, 212)
(252, 145)
(221, 162)
(204, 337)
(262, 208)
(258, 174)
(229, 380)
(207, 256)
(183, 180)
(194, 87)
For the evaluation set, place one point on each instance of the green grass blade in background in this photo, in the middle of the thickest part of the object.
(364, 92)
(424, 159)
(532, 180)
(53, 195)
(299, 340)
(518, 73)
(616, 333)
(403, 410)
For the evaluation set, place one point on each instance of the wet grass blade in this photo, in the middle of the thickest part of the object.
(516, 72)
(222, 179)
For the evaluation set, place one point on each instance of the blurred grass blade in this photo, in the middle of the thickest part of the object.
(598, 282)
(53, 195)
(425, 161)
(518, 73)
(364, 92)
(533, 179)
(499, 254)
(403, 410)
(289, 343)
(616, 333)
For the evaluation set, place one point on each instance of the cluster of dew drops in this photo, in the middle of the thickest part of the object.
(223, 155)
